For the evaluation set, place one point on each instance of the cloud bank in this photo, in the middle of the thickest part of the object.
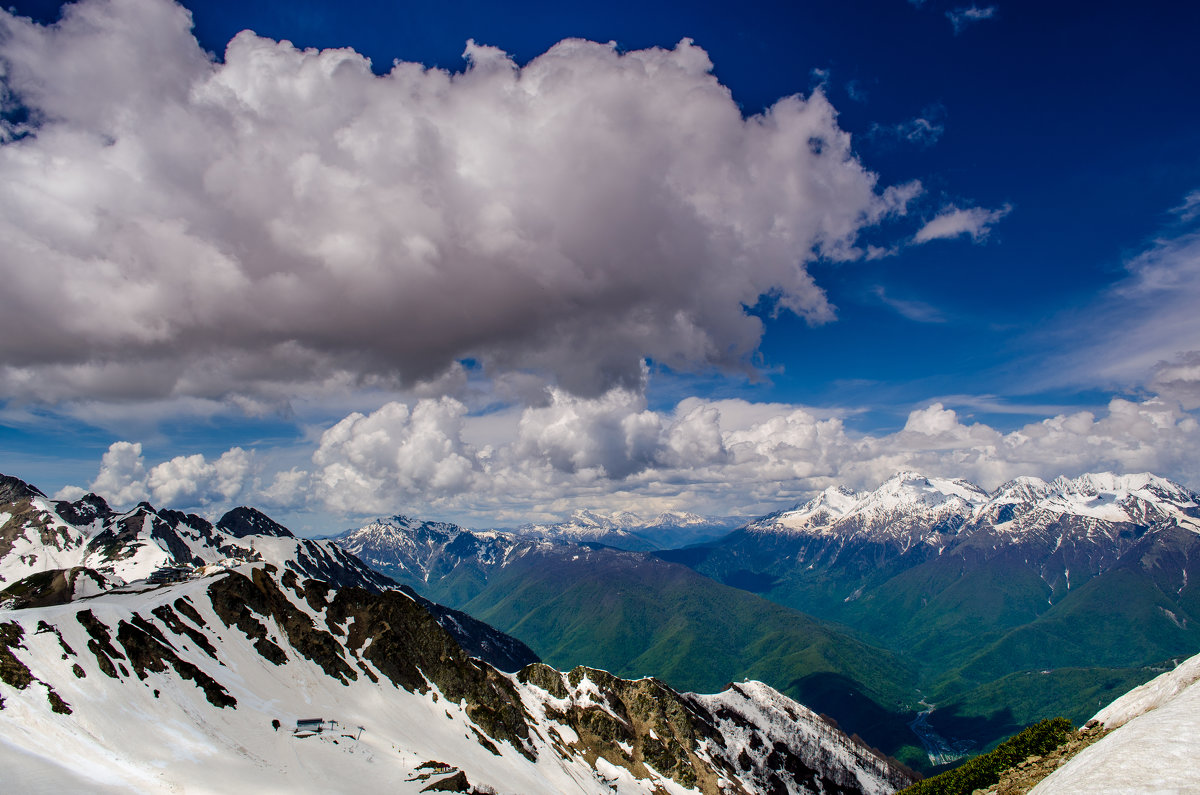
(710, 456)
(286, 219)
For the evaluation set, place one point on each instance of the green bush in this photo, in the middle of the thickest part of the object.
(986, 769)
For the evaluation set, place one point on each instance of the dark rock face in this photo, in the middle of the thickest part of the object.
(84, 510)
(15, 673)
(236, 598)
(242, 522)
(456, 783)
(52, 587)
(14, 490)
(149, 650)
(477, 638)
(146, 649)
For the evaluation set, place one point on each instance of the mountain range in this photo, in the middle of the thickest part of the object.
(927, 616)
(635, 614)
(983, 589)
(201, 657)
(628, 530)
(1000, 608)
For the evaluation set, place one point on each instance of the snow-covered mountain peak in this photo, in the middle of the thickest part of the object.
(1020, 490)
(1094, 502)
(39, 536)
(905, 509)
(821, 511)
(583, 517)
(678, 519)
(1144, 485)
(913, 488)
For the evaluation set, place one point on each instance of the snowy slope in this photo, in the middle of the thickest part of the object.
(1092, 505)
(176, 688)
(1155, 747)
(41, 535)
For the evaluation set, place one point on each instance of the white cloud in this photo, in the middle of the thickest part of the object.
(186, 481)
(285, 220)
(917, 311)
(1190, 209)
(1144, 330)
(193, 480)
(726, 456)
(122, 476)
(1179, 379)
(962, 17)
(368, 462)
(953, 222)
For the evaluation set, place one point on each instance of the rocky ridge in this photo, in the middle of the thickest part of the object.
(56, 552)
(228, 657)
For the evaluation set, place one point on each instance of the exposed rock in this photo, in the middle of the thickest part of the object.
(243, 521)
(455, 783)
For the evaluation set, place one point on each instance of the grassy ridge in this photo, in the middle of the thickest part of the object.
(985, 770)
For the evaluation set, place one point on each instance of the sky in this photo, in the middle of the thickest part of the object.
(502, 263)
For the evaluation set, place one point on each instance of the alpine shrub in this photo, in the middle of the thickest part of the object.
(986, 769)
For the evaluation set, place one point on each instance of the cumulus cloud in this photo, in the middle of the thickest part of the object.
(286, 218)
(194, 480)
(965, 16)
(122, 476)
(366, 461)
(711, 456)
(1179, 379)
(953, 222)
(190, 481)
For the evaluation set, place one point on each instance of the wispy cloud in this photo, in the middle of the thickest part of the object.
(923, 130)
(917, 311)
(954, 222)
(1190, 209)
(965, 16)
(1144, 331)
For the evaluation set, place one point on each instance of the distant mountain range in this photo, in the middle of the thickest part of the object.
(627, 530)
(635, 615)
(1011, 603)
(1036, 599)
(151, 650)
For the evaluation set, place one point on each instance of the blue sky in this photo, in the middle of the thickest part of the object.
(603, 277)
